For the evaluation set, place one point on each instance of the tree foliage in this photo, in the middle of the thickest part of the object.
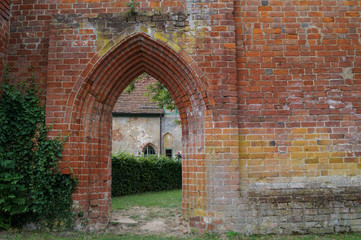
(31, 186)
(159, 94)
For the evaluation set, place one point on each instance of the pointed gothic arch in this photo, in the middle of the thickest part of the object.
(88, 113)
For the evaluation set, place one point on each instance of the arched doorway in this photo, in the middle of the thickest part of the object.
(149, 150)
(88, 114)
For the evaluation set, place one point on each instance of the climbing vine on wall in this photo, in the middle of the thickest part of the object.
(32, 189)
(132, 5)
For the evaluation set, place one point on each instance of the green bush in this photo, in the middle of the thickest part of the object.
(132, 174)
(32, 189)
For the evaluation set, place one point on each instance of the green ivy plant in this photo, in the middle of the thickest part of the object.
(131, 87)
(132, 5)
(159, 94)
(32, 188)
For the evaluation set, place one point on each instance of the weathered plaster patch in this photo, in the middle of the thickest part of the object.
(347, 73)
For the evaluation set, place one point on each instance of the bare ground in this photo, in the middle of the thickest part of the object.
(146, 221)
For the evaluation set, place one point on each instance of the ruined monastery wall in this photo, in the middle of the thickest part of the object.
(268, 93)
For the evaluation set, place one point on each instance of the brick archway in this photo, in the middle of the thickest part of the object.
(88, 114)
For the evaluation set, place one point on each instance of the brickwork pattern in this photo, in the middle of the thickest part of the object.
(300, 81)
(137, 101)
(301, 208)
(30, 21)
(4, 34)
(299, 86)
(5, 9)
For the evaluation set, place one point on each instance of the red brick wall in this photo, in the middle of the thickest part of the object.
(28, 43)
(4, 33)
(28, 54)
(5, 9)
(299, 72)
(299, 77)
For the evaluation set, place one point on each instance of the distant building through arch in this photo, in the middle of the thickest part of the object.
(137, 121)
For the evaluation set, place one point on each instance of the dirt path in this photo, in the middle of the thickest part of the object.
(145, 221)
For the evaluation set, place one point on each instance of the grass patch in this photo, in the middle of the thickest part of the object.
(101, 236)
(134, 237)
(79, 236)
(46, 236)
(164, 199)
(346, 236)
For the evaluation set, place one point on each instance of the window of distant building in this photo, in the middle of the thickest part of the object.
(168, 145)
(149, 150)
(169, 152)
